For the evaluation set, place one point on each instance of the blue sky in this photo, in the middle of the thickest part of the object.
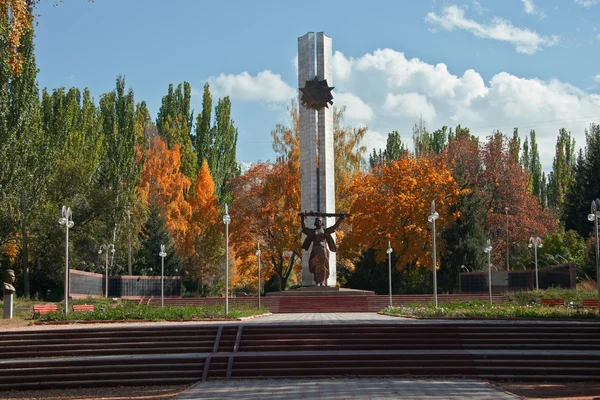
(487, 65)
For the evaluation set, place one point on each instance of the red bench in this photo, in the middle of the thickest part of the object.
(41, 309)
(590, 303)
(553, 302)
(83, 308)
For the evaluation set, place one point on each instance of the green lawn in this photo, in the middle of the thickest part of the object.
(118, 310)
(518, 305)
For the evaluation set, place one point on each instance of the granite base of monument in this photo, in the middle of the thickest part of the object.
(322, 291)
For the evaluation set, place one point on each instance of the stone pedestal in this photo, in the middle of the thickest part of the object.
(8, 305)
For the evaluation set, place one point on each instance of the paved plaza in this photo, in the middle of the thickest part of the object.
(339, 389)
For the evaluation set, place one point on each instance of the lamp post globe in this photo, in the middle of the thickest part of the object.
(431, 219)
(594, 216)
(389, 253)
(259, 281)
(226, 221)
(162, 256)
(488, 250)
(536, 243)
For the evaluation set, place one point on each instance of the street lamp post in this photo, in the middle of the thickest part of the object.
(536, 242)
(226, 221)
(162, 255)
(259, 282)
(488, 250)
(108, 248)
(129, 267)
(595, 214)
(434, 215)
(507, 243)
(67, 221)
(389, 253)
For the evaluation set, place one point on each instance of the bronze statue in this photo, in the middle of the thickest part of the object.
(321, 239)
(9, 279)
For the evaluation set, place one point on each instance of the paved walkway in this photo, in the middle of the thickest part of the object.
(326, 318)
(341, 389)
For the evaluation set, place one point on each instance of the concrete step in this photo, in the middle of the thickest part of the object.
(91, 383)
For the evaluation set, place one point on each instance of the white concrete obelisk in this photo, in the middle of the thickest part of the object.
(316, 143)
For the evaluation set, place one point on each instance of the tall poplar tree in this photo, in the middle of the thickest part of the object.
(21, 143)
(563, 170)
(120, 171)
(586, 185)
(174, 123)
(203, 127)
(222, 152)
(535, 167)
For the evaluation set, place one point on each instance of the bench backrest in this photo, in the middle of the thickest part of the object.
(44, 308)
(590, 303)
(553, 302)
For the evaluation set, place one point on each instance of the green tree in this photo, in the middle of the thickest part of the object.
(153, 234)
(438, 140)
(535, 168)
(222, 154)
(563, 169)
(586, 185)
(203, 128)
(515, 145)
(119, 169)
(421, 138)
(394, 149)
(174, 123)
(22, 154)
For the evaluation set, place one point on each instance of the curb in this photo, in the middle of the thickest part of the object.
(253, 316)
(126, 321)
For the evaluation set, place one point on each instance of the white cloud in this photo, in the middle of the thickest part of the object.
(587, 3)
(412, 105)
(341, 66)
(597, 78)
(398, 90)
(525, 40)
(528, 6)
(265, 86)
(357, 111)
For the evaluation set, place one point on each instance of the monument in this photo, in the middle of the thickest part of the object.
(8, 290)
(316, 140)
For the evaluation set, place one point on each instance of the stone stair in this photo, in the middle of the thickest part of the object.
(177, 354)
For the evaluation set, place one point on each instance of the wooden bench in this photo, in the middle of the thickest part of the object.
(40, 309)
(590, 303)
(553, 302)
(83, 308)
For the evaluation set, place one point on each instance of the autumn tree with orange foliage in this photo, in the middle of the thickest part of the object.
(165, 186)
(16, 19)
(192, 218)
(265, 211)
(203, 246)
(393, 202)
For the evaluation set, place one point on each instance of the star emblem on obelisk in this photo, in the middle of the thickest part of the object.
(316, 94)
